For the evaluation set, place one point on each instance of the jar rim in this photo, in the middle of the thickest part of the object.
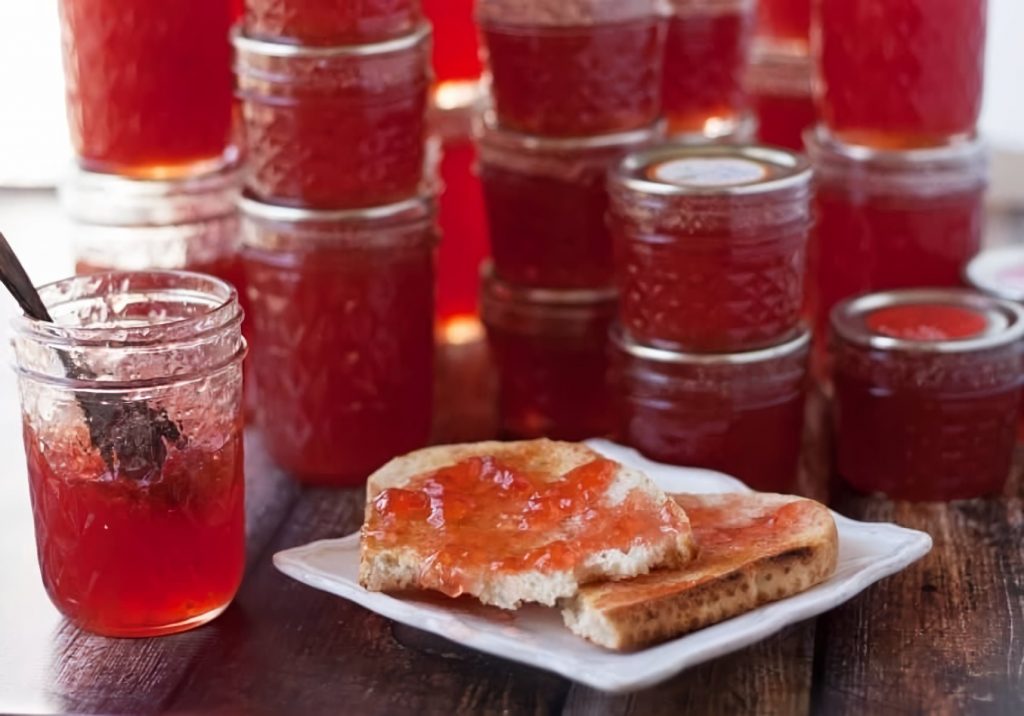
(495, 288)
(422, 206)
(983, 271)
(792, 345)
(266, 48)
(489, 132)
(1004, 320)
(822, 145)
(221, 298)
(631, 172)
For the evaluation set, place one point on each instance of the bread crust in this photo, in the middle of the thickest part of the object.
(727, 579)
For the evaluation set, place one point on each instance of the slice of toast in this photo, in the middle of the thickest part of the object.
(753, 548)
(515, 522)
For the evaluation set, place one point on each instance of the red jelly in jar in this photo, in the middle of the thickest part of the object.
(784, 24)
(741, 413)
(570, 69)
(546, 204)
(335, 127)
(706, 52)
(901, 73)
(342, 314)
(330, 22)
(927, 390)
(892, 219)
(149, 88)
(551, 352)
(135, 459)
(779, 86)
(710, 245)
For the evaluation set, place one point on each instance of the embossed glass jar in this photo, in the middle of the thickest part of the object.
(927, 391)
(342, 316)
(710, 245)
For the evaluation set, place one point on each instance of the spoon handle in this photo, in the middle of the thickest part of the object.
(14, 277)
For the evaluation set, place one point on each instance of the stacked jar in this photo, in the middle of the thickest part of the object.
(901, 172)
(338, 230)
(778, 79)
(574, 87)
(710, 357)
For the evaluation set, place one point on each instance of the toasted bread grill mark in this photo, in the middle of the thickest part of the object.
(724, 581)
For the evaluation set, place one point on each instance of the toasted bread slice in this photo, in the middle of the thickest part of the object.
(753, 548)
(515, 522)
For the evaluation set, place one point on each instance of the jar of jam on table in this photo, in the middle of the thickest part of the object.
(342, 314)
(132, 420)
(927, 392)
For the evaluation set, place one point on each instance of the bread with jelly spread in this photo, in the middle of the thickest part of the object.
(515, 522)
(754, 548)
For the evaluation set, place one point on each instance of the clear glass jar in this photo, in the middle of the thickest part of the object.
(546, 203)
(927, 392)
(330, 22)
(710, 244)
(569, 69)
(335, 127)
(890, 219)
(342, 314)
(779, 86)
(551, 352)
(149, 90)
(706, 50)
(132, 411)
(740, 413)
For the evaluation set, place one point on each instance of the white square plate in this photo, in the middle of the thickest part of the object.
(535, 635)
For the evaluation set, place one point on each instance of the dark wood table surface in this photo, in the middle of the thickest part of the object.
(944, 636)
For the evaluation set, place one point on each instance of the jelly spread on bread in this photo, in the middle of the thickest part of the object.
(485, 514)
(721, 525)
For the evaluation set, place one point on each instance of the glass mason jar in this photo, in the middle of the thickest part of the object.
(779, 86)
(710, 245)
(335, 127)
(565, 69)
(741, 413)
(551, 351)
(343, 334)
(132, 412)
(927, 392)
(149, 89)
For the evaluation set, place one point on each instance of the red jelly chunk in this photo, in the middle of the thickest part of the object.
(741, 413)
(570, 69)
(546, 205)
(705, 55)
(456, 49)
(147, 536)
(785, 23)
(330, 22)
(149, 87)
(342, 321)
(779, 85)
(927, 390)
(710, 245)
(892, 219)
(550, 348)
(356, 112)
(901, 72)
(493, 514)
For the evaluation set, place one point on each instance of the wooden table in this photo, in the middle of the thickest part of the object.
(944, 636)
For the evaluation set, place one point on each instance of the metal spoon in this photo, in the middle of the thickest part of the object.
(132, 437)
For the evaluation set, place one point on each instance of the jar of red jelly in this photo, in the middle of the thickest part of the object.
(574, 68)
(546, 203)
(551, 351)
(132, 421)
(741, 413)
(342, 313)
(892, 219)
(900, 74)
(779, 87)
(784, 25)
(706, 51)
(330, 22)
(927, 392)
(710, 245)
(149, 87)
(335, 127)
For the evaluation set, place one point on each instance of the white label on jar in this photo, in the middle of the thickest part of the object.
(709, 171)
